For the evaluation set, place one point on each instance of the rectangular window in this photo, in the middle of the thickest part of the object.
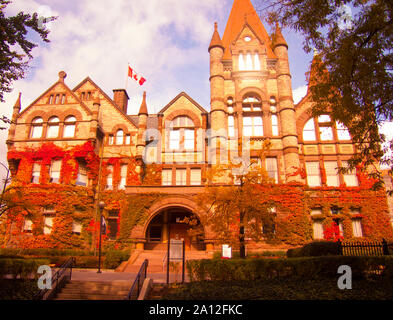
(196, 177)
(271, 168)
(317, 229)
(274, 125)
(81, 179)
(350, 177)
(174, 139)
(109, 178)
(36, 131)
(252, 126)
(316, 211)
(166, 178)
(76, 227)
(188, 139)
(123, 176)
(357, 227)
(28, 225)
(35, 178)
(55, 171)
(231, 126)
(181, 177)
(332, 178)
(313, 174)
(48, 223)
(110, 139)
(128, 139)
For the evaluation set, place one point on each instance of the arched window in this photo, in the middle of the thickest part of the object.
(53, 128)
(119, 137)
(252, 103)
(181, 134)
(309, 131)
(249, 65)
(69, 127)
(274, 125)
(36, 128)
(231, 126)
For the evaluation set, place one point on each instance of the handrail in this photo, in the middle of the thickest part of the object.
(44, 294)
(137, 283)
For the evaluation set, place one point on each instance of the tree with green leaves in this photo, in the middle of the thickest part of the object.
(15, 45)
(354, 41)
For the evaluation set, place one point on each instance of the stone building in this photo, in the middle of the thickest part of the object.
(82, 138)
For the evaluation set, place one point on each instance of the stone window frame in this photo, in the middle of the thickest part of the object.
(111, 136)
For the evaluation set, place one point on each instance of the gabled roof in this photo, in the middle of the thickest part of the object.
(68, 90)
(183, 94)
(243, 11)
(88, 79)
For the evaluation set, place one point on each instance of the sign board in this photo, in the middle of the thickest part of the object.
(176, 250)
(226, 251)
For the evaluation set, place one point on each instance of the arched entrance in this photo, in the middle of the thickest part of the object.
(174, 223)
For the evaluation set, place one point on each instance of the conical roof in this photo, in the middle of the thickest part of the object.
(143, 108)
(244, 12)
(279, 38)
(216, 40)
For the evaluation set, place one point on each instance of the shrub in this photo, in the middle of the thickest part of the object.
(20, 267)
(113, 258)
(314, 249)
(302, 268)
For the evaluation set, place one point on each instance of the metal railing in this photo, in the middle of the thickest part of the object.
(136, 287)
(164, 261)
(57, 281)
(364, 248)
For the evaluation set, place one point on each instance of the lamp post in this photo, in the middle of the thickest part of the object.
(101, 206)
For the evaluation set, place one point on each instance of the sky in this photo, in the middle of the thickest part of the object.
(165, 41)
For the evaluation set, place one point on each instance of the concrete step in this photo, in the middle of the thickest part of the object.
(88, 296)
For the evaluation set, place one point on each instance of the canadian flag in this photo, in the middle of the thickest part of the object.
(133, 75)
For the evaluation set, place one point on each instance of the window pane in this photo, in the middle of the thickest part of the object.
(53, 131)
(258, 131)
(326, 133)
(248, 62)
(318, 230)
(271, 168)
(342, 132)
(55, 171)
(81, 179)
(76, 227)
(195, 178)
(241, 62)
(257, 121)
(166, 177)
(309, 131)
(357, 228)
(69, 130)
(119, 136)
(247, 131)
(247, 121)
(257, 64)
(128, 139)
(181, 177)
(174, 139)
(48, 224)
(36, 132)
(313, 174)
(189, 139)
(332, 178)
(36, 173)
(324, 118)
(231, 121)
(28, 225)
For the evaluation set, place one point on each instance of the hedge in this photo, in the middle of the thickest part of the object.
(315, 249)
(302, 268)
(20, 267)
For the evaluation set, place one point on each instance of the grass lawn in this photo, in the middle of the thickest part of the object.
(277, 289)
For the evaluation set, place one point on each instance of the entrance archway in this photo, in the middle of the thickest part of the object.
(174, 223)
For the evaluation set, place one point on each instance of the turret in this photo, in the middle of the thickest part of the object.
(217, 152)
(15, 114)
(142, 124)
(94, 119)
(286, 108)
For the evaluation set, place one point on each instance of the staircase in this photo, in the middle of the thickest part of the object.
(156, 260)
(94, 290)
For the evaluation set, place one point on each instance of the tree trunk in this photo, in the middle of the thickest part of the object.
(242, 245)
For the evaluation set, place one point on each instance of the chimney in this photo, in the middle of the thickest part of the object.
(121, 98)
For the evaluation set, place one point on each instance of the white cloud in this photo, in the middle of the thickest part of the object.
(299, 93)
(161, 39)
